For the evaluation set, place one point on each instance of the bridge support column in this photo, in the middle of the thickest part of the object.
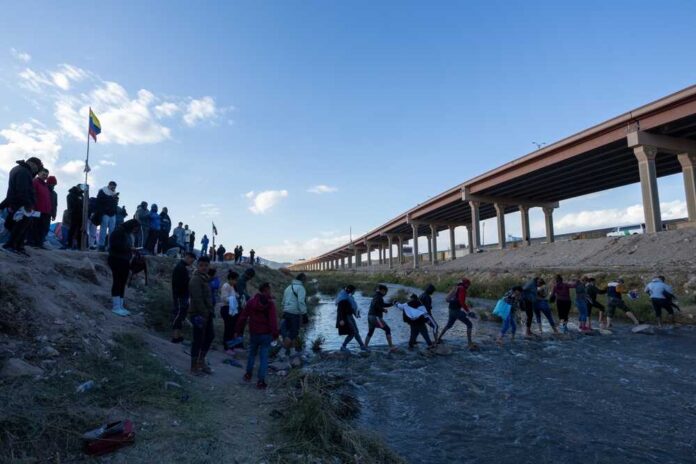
(391, 251)
(453, 248)
(475, 225)
(369, 253)
(500, 215)
(400, 251)
(350, 262)
(548, 219)
(433, 241)
(379, 251)
(648, 186)
(415, 245)
(524, 212)
(688, 164)
(470, 239)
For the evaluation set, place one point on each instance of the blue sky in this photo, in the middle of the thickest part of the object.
(233, 111)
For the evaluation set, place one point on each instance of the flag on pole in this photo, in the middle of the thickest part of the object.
(94, 125)
(214, 229)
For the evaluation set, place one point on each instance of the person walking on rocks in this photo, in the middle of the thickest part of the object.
(201, 317)
(180, 295)
(615, 292)
(542, 306)
(263, 329)
(659, 293)
(417, 317)
(592, 293)
(529, 298)
(581, 303)
(346, 312)
(459, 310)
(513, 298)
(107, 203)
(21, 201)
(294, 312)
(561, 295)
(120, 254)
(375, 316)
(426, 299)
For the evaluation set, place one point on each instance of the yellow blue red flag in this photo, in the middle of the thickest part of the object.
(94, 125)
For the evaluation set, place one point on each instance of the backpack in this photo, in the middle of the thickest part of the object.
(452, 295)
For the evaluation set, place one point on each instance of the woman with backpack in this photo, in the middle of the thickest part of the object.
(260, 311)
(459, 310)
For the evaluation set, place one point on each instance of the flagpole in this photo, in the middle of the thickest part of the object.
(85, 198)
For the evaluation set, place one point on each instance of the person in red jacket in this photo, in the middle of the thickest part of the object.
(41, 224)
(263, 329)
(459, 310)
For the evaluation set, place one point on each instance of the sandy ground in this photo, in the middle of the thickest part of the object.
(67, 296)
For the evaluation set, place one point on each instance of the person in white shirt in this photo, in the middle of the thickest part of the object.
(661, 296)
(229, 312)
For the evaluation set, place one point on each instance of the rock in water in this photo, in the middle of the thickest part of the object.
(605, 332)
(442, 350)
(279, 366)
(15, 367)
(645, 329)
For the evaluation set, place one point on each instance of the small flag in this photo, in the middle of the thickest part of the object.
(214, 229)
(94, 125)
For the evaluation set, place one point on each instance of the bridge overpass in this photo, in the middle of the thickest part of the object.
(654, 140)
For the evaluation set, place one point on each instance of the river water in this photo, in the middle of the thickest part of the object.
(623, 398)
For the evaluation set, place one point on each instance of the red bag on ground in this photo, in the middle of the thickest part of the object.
(109, 437)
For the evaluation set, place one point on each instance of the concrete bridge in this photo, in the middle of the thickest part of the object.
(657, 139)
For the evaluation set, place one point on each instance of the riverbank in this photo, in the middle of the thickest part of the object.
(57, 332)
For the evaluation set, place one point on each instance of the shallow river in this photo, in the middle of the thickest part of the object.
(578, 399)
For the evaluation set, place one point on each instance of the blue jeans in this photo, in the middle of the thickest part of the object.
(509, 323)
(542, 306)
(581, 304)
(107, 222)
(259, 343)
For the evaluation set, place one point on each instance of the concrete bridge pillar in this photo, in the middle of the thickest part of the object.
(415, 245)
(469, 239)
(391, 251)
(453, 249)
(688, 164)
(400, 251)
(500, 214)
(648, 186)
(475, 225)
(379, 254)
(548, 219)
(343, 262)
(350, 262)
(433, 240)
(369, 254)
(524, 212)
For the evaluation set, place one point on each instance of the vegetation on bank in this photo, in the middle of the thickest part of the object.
(316, 425)
(43, 420)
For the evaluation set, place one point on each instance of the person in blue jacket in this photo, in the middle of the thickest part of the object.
(154, 230)
(204, 245)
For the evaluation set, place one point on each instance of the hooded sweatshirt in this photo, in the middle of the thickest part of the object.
(154, 219)
(107, 201)
(294, 298)
(20, 191)
(43, 196)
(427, 299)
(201, 298)
(261, 313)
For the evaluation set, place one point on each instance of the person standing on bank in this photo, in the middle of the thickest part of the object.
(120, 254)
(294, 312)
(201, 316)
(180, 295)
(41, 222)
(21, 201)
(165, 227)
(107, 203)
(204, 245)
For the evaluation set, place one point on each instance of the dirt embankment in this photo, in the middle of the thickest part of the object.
(57, 331)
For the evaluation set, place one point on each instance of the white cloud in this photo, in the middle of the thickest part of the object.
(166, 110)
(290, 250)
(124, 120)
(321, 188)
(73, 167)
(33, 80)
(209, 210)
(24, 57)
(597, 219)
(262, 202)
(62, 78)
(107, 163)
(199, 110)
(67, 74)
(26, 140)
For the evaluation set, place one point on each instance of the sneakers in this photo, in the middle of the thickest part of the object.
(261, 385)
(247, 377)
(344, 349)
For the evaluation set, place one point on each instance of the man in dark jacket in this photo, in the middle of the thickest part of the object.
(375, 317)
(107, 203)
(426, 298)
(165, 228)
(52, 182)
(120, 254)
(201, 315)
(221, 253)
(20, 201)
(180, 295)
(75, 199)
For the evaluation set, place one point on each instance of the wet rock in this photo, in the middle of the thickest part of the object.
(442, 350)
(645, 329)
(280, 366)
(605, 332)
(296, 362)
(48, 352)
(15, 367)
(282, 373)
(169, 385)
